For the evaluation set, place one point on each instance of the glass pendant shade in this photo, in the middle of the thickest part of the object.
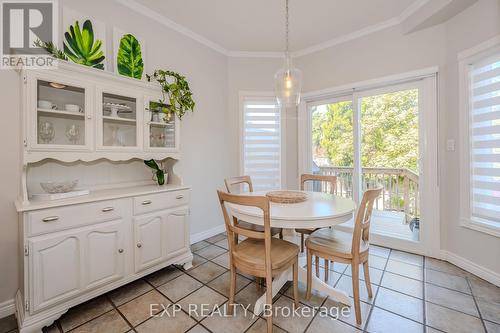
(288, 84)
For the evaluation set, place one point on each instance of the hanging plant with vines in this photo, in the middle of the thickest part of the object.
(177, 97)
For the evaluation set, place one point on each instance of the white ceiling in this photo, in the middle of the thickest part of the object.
(258, 25)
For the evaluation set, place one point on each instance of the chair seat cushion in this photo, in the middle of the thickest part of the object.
(252, 252)
(255, 227)
(333, 242)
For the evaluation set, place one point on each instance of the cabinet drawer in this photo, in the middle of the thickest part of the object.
(61, 218)
(157, 201)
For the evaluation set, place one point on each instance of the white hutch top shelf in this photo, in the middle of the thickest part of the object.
(99, 195)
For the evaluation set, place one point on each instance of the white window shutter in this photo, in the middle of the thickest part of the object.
(485, 140)
(262, 142)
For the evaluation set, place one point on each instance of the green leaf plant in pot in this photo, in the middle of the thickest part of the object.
(177, 97)
(158, 173)
(80, 46)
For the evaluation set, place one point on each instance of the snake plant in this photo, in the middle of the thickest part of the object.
(80, 46)
(129, 59)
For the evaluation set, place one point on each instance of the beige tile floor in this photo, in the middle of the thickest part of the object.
(411, 294)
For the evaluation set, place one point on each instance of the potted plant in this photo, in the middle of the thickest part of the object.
(177, 97)
(158, 172)
(156, 108)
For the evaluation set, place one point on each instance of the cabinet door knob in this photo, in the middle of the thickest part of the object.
(120, 250)
(179, 197)
(108, 209)
(139, 245)
(146, 202)
(50, 219)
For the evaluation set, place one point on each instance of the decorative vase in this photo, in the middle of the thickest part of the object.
(160, 176)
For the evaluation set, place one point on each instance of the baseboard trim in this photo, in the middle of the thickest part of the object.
(207, 233)
(7, 308)
(469, 266)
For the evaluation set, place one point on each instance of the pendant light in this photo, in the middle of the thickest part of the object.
(288, 80)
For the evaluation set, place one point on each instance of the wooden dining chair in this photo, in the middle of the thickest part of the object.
(236, 181)
(332, 180)
(346, 247)
(321, 178)
(260, 254)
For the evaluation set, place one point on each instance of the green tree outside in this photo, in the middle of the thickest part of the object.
(389, 131)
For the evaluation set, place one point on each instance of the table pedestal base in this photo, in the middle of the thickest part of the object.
(317, 284)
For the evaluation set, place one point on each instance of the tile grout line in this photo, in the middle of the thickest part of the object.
(476, 304)
(376, 294)
(88, 321)
(119, 312)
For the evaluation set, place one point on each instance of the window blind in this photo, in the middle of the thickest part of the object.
(262, 142)
(485, 140)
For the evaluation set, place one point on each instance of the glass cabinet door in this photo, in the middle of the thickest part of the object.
(118, 116)
(161, 130)
(60, 115)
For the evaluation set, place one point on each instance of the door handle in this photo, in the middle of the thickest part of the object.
(146, 202)
(139, 245)
(174, 214)
(50, 218)
(179, 197)
(108, 209)
(120, 250)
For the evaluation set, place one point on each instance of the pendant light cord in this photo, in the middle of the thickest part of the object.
(286, 28)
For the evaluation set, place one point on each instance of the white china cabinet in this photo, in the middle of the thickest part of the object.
(96, 127)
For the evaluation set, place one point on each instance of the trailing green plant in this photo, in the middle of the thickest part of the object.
(129, 59)
(157, 107)
(51, 49)
(176, 94)
(160, 174)
(80, 46)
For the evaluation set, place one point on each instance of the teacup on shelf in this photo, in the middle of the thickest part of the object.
(73, 108)
(43, 104)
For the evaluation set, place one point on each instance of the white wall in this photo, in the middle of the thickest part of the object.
(9, 180)
(204, 162)
(468, 29)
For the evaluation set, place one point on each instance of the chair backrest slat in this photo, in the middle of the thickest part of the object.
(232, 228)
(320, 178)
(363, 219)
(233, 181)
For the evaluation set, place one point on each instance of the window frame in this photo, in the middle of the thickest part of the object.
(243, 95)
(465, 61)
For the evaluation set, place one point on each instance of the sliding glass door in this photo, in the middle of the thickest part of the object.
(389, 157)
(378, 137)
(332, 143)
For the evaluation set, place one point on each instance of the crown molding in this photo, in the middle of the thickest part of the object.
(412, 9)
(137, 7)
(253, 54)
(141, 9)
(346, 38)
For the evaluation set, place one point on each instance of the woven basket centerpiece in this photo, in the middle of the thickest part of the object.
(286, 197)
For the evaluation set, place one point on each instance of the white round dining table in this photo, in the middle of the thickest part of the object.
(320, 210)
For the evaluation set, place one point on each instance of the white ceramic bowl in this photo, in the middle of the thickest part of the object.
(72, 108)
(59, 187)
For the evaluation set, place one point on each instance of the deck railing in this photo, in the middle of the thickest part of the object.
(400, 187)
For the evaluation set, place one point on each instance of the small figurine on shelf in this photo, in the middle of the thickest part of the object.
(159, 174)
